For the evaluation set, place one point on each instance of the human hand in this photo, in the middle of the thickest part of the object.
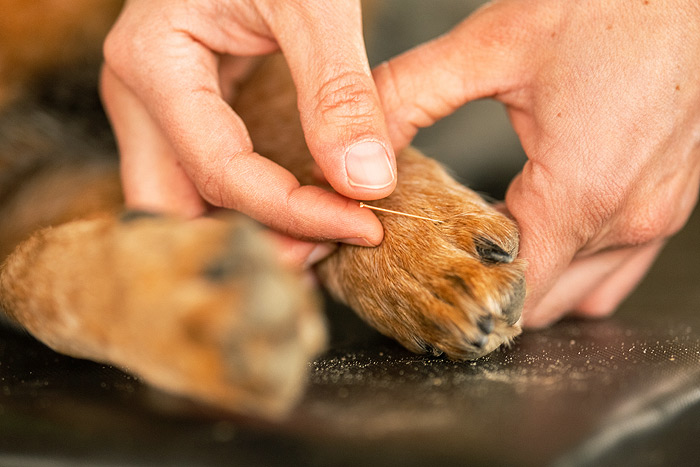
(181, 145)
(605, 99)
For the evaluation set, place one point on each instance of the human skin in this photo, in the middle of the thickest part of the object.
(603, 95)
(168, 67)
(605, 99)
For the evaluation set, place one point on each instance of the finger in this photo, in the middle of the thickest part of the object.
(481, 57)
(609, 294)
(152, 179)
(216, 153)
(339, 107)
(595, 285)
(298, 254)
(573, 285)
(546, 246)
(551, 228)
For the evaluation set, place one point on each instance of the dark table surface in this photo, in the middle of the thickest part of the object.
(619, 391)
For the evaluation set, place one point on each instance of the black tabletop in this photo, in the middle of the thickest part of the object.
(618, 391)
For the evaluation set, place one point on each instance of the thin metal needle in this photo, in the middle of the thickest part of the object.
(363, 205)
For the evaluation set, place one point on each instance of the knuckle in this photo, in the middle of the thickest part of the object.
(629, 216)
(347, 96)
(625, 222)
(121, 51)
(651, 216)
(209, 187)
(211, 180)
(131, 45)
(213, 176)
(646, 225)
(112, 48)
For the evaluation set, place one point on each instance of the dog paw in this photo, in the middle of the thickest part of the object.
(238, 329)
(450, 286)
(198, 308)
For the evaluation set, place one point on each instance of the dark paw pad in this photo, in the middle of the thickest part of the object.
(132, 215)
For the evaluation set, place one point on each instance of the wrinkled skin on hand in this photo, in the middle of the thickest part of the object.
(171, 71)
(605, 98)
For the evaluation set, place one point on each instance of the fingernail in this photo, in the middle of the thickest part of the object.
(320, 252)
(357, 241)
(367, 165)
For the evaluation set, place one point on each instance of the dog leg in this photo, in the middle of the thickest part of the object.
(198, 308)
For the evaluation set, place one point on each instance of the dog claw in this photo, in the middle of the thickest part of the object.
(481, 341)
(486, 324)
(491, 253)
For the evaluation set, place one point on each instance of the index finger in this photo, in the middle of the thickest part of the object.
(215, 150)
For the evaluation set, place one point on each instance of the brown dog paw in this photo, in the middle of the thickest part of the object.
(199, 308)
(450, 286)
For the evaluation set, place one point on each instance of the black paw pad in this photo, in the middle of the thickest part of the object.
(135, 214)
(224, 269)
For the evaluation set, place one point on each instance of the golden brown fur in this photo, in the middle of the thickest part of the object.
(202, 308)
(41, 35)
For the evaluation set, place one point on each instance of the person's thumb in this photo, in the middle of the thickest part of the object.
(339, 107)
(487, 55)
